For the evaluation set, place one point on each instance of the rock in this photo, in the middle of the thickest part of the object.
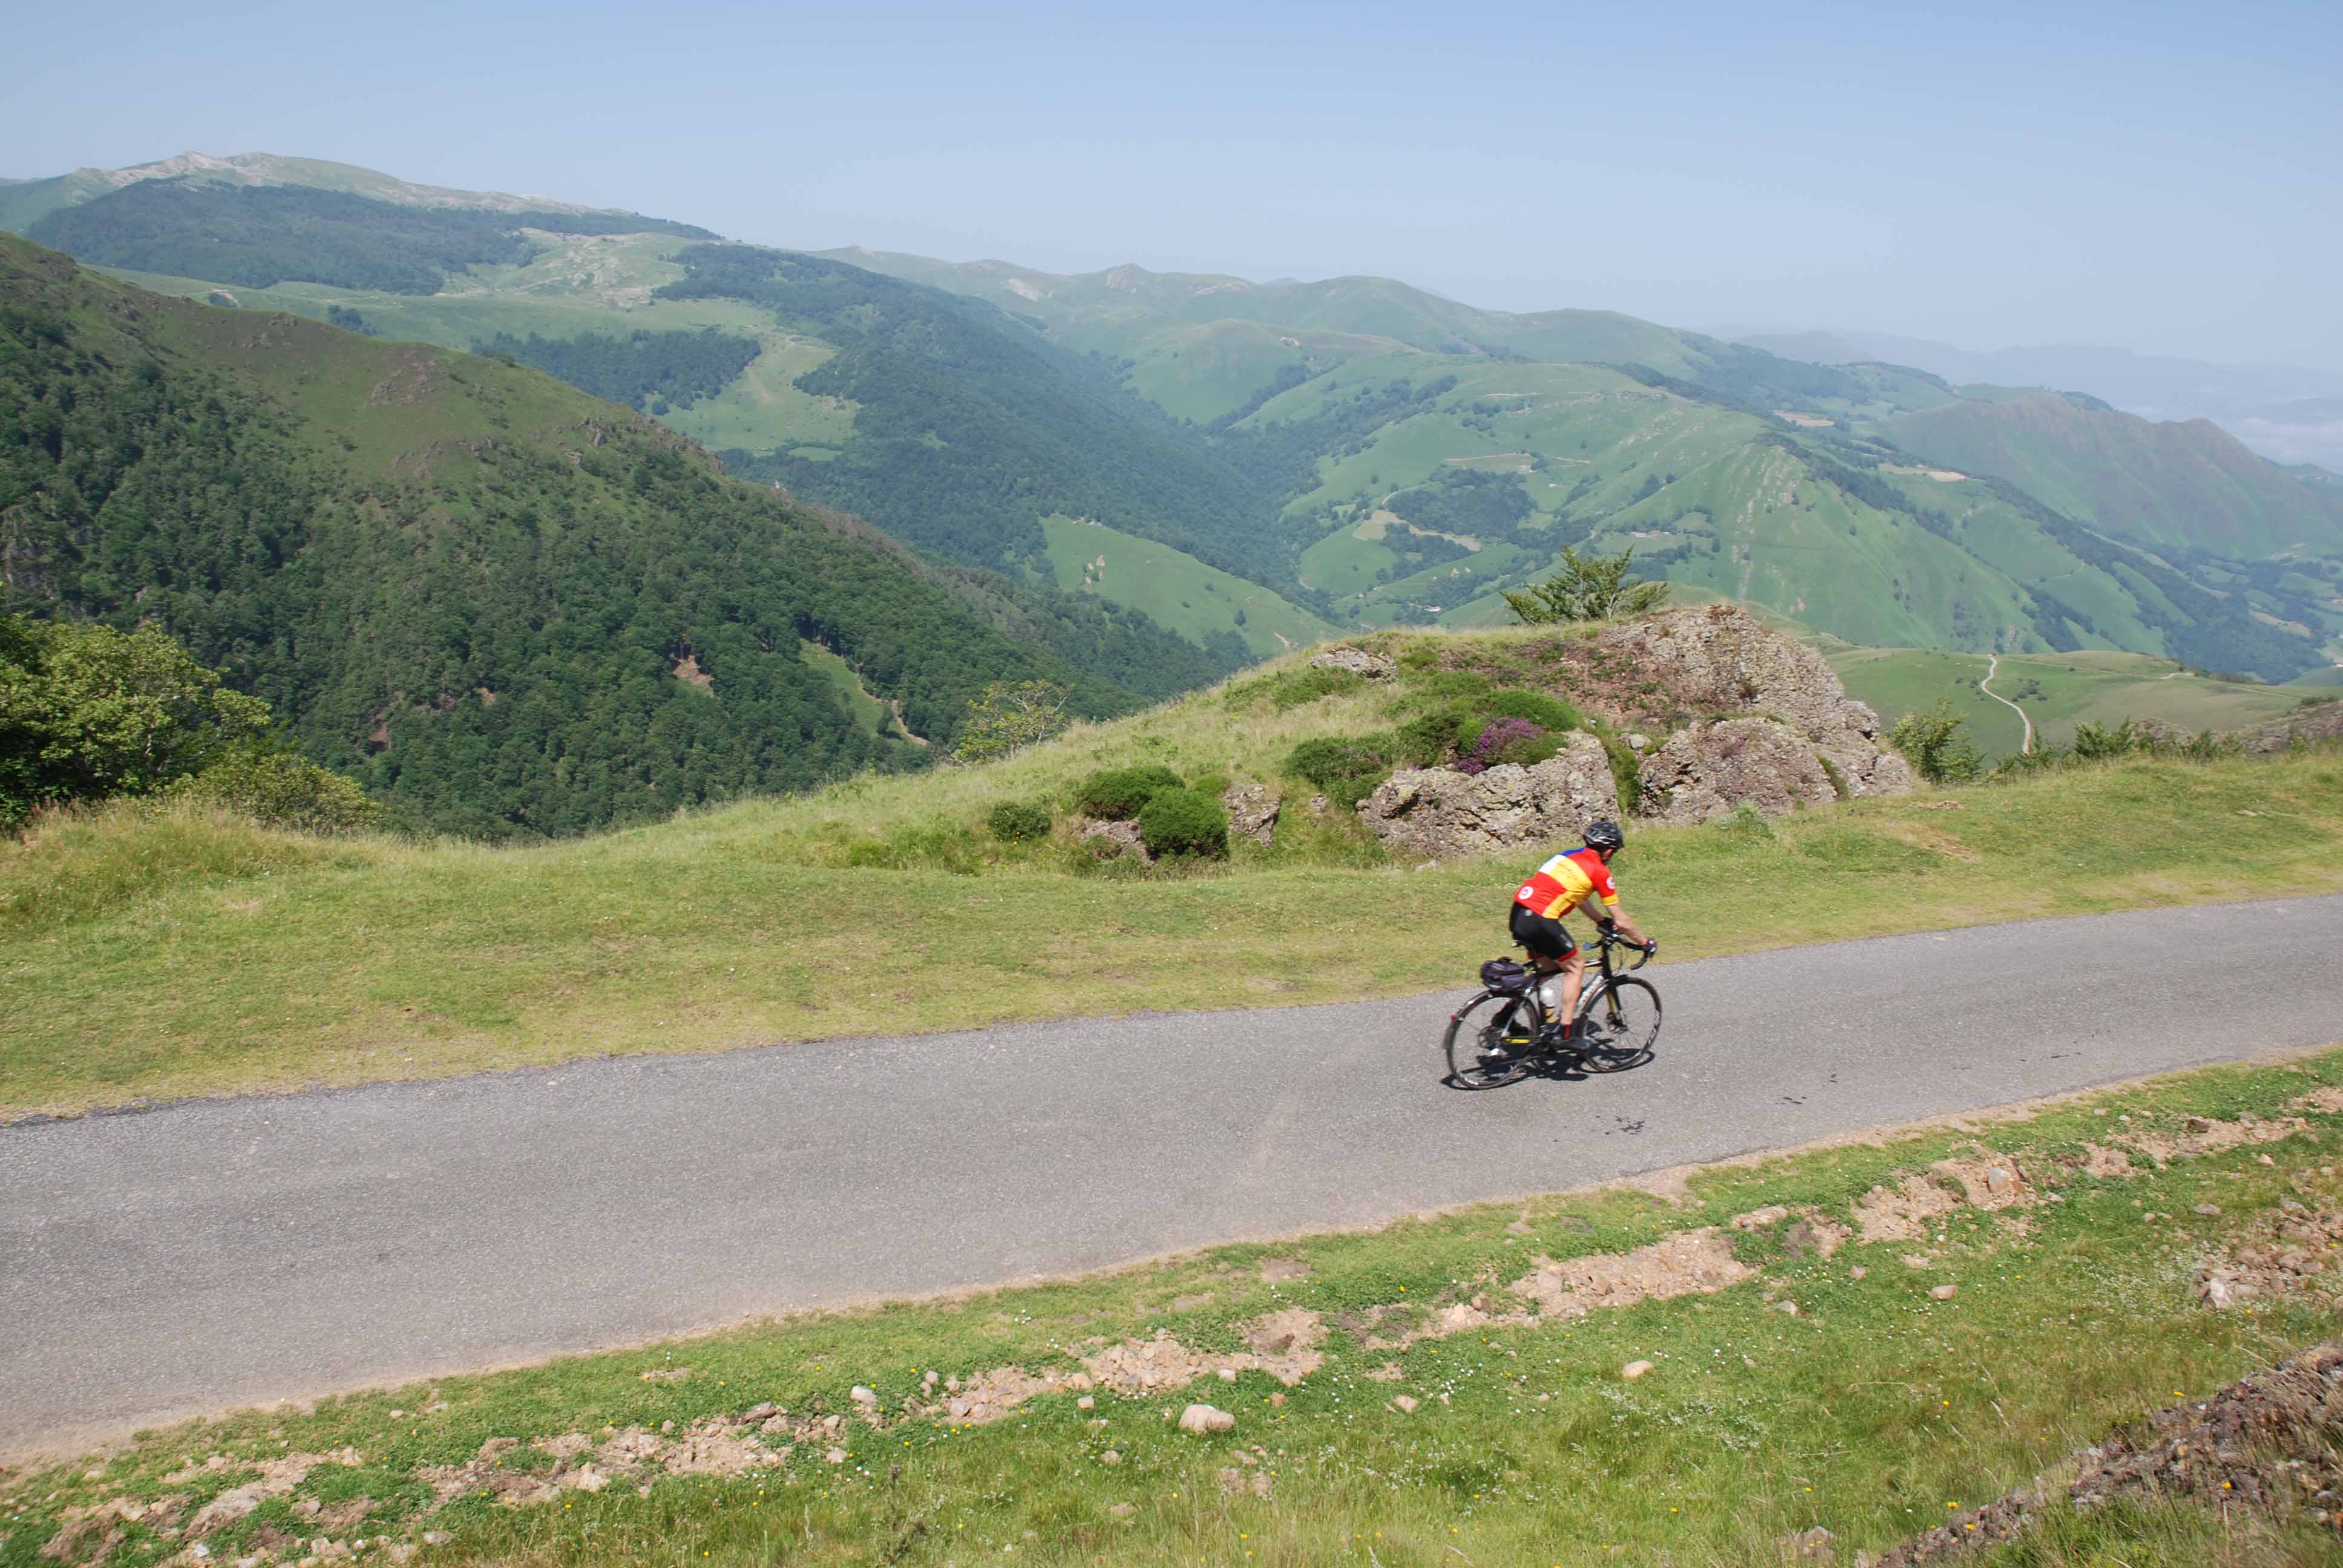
(1203, 1418)
(1639, 741)
(1945, 1293)
(1758, 1219)
(1110, 1457)
(1445, 815)
(1228, 1374)
(1635, 1369)
(1718, 658)
(1857, 1271)
(435, 1538)
(586, 1478)
(2197, 1123)
(1253, 812)
(2210, 1211)
(1789, 1307)
(1709, 770)
(1358, 662)
(862, 1396)
(1113, 839)
(1814, 1546)
(1086, 1403)
(835, 1457)
(1403, 1404)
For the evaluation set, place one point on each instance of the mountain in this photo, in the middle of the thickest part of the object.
(2188, 485)
(27, 201)
(1247, 463)
(508, 607)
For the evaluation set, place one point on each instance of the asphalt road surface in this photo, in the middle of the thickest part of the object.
(224, 1253)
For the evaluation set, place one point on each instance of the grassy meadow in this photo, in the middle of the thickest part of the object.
(1872, 1344)
(2057, 691)
(149, 954)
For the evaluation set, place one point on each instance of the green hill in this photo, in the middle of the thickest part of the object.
(2186, 485)
(1309, 438)
(504, 605)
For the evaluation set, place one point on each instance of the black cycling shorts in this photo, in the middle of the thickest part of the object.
(1544, 938)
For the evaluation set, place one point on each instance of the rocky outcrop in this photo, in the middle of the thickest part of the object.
(1717, 659)
(1109, 841)
(1710, 769)
(1253, 812)
(1440, 814)
(2315, 726)
(1358, 662)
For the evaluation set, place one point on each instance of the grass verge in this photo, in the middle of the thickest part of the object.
(1870, 1339)
(153, 955)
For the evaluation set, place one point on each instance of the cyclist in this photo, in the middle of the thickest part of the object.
(1554, 890)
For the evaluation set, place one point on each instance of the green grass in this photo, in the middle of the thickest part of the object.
(1874, 1411)
(130, 940)
(1175, 588)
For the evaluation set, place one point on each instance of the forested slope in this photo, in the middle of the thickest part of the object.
(510, 606)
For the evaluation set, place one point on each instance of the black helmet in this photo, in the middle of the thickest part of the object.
(1604, 835)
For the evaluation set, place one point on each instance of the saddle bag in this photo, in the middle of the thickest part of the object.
(1505, 977)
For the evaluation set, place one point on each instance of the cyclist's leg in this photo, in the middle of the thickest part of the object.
(1573, 980)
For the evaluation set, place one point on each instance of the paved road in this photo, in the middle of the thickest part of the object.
(230, 1251)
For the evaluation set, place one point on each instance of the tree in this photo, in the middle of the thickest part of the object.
(1008, 715)
(86, 711)
(1589, 587)
(1932, 741)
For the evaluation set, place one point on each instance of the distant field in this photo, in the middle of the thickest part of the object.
(2057, 690)
(1175, 587)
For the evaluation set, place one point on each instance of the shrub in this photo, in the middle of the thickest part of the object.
(1183, 822)
(1347, 770)
(1216, 784)
(282, 789)
(1119, 794)
(1433, 739)
(1017, 821)
(1537, 707)
(1626, 769)
(1508, 740)
(1933, 742)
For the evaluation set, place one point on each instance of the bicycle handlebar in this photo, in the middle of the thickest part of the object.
(1610, 937)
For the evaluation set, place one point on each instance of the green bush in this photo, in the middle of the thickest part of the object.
(282, 789)
(1216, 784)
(1017, 821)
(1537, 707)
(1183, 822)
(1626, 769)
(1346, 771)
(1932, 741)
(1119, 794)
(1433, 739)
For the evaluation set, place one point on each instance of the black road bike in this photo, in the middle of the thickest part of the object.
(1497, 1037)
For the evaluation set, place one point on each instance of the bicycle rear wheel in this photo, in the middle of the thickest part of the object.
(1617, 1024)
(1491, 1023)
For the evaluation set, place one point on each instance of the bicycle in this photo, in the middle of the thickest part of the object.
(1498, 1036)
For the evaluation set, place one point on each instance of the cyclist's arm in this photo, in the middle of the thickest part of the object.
(1614, 912)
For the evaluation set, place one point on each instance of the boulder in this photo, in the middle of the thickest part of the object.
(1204, 1418)
(1709, 770)
(1114, 839)
(1358, 662)
(1440, 814)
(1718, 660)
(1253, 812)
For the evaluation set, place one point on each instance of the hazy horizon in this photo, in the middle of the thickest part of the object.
(2163, 180)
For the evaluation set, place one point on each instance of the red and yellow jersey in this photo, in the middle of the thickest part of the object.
(1557, 887)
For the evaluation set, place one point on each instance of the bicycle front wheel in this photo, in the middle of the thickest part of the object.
(1617, 1024)
(1490, 1041)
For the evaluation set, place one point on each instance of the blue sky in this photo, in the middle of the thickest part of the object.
(2163, 178)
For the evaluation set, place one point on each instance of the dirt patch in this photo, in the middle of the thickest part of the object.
(2205, 1135)
(2270, 1442)
(989, 1396)
(2329, 1101)
(1907, 1211)
(1285, 1344)
(1691, 1263)
(277, 1478)
(1283, 1270)
(2288, 1253)
(1136, 1368)
(1815, 1234)
(2104, 1162)
(1988, 1180)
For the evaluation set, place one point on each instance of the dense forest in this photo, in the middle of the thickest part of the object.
(640, 369)
(536, 613)
(972, 429)
(259, 236)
